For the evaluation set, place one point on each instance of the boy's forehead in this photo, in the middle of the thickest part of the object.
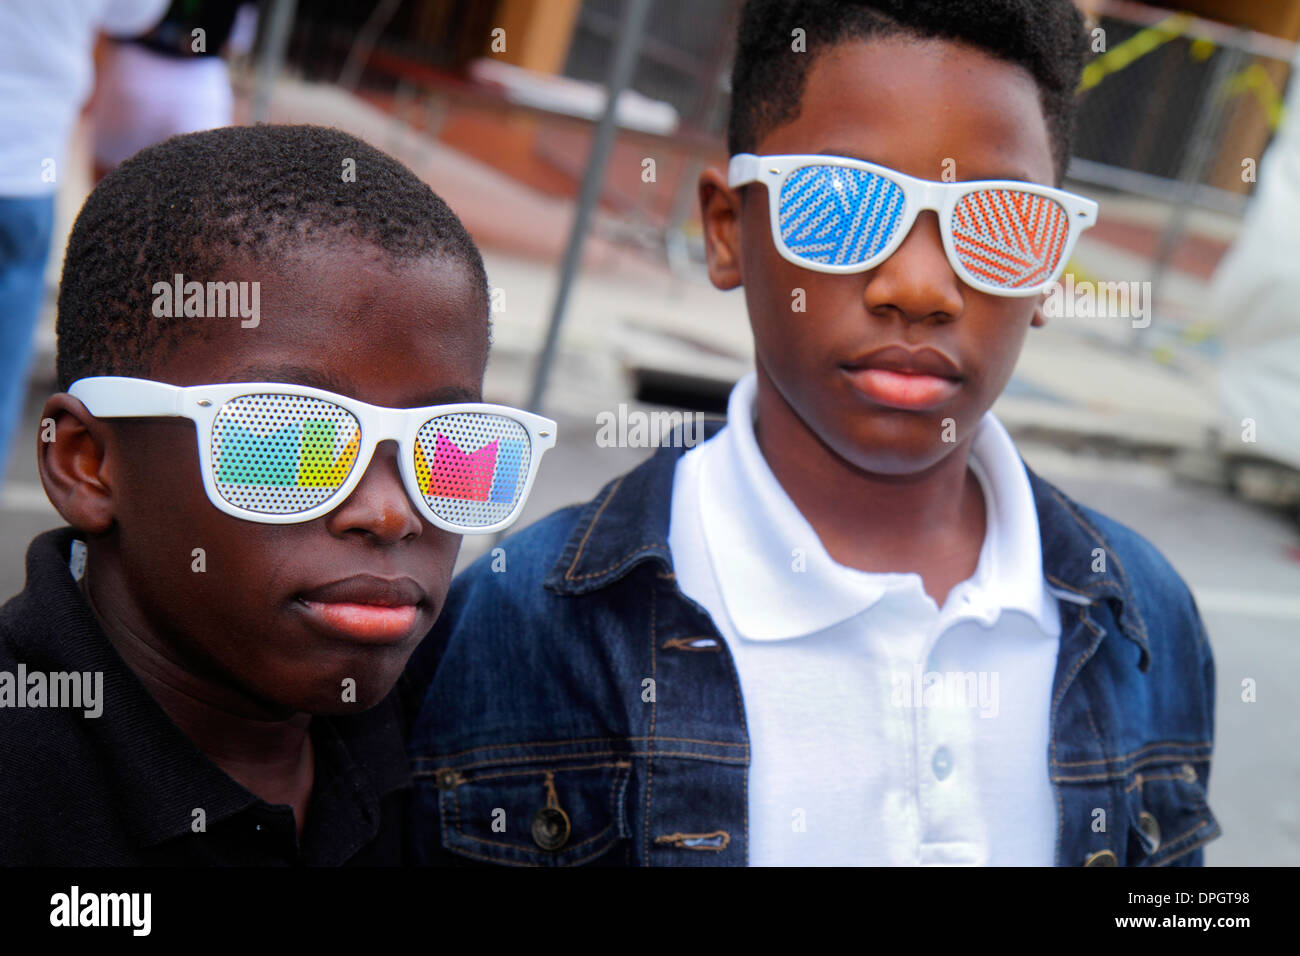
(400, 334)
(922, 106)
(340, 276)
(338, 379)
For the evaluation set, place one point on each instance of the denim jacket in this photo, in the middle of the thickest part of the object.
(581, 709)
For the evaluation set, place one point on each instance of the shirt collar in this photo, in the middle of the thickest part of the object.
(626, 525)
(776, 579)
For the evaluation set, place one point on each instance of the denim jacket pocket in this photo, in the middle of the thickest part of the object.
(564, 813)
(1168, 814)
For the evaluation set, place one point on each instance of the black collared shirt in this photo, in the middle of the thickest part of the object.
(128, 787)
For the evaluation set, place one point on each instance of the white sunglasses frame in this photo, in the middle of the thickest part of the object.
(115, 396)
(918, 195)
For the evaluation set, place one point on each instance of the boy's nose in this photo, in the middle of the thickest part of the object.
(379, 505)
(917, 281)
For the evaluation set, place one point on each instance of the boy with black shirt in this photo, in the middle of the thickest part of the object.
(853, 627)
(268, 441)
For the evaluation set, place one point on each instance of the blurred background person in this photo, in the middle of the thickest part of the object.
(170, 80)
(45, 75)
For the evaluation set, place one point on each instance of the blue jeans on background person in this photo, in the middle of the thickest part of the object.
(26, 225)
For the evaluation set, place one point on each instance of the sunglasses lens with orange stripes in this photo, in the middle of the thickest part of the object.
(1005, 240)
(1011, 239)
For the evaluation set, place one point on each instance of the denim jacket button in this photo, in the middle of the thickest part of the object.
(942, 763)
(1150, 828)
(550, 828)
(1101, 858)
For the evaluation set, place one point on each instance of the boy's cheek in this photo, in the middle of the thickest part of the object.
(240, 610)
(261, 647)
(994, 349)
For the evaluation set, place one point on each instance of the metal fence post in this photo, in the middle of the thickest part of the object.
(1200, 145)
(620, 73)
(271, 59)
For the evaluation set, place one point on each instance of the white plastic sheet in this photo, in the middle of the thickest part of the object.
(1255, 295)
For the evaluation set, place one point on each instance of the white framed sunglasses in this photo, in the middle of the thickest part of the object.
(839, 215)
(277, 453)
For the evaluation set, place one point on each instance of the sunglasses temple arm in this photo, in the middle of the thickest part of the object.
(113, 396)
(742, 169)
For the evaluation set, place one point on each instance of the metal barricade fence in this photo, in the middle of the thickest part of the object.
(1173, 108)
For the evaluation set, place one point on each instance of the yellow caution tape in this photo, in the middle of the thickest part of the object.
(1253, 79)
(1132, 49)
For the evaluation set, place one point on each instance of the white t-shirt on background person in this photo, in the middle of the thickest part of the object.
(147, 97)
(46, 74)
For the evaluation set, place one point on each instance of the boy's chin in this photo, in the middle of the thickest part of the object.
(331, 704)
(351, 694)
(337, 709)
(894, 452)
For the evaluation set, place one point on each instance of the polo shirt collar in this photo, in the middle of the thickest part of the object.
(776, 579)
(626, 525)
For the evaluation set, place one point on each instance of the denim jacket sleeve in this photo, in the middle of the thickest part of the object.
(1133, 711)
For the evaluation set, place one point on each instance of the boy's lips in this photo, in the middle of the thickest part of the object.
(903, 378)
(365, 608)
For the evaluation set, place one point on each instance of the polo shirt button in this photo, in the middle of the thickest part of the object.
(550, 828)
(942, 763)
(1101, 858)
(1150, 828)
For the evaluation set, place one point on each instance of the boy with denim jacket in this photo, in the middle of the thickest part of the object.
(852, 627)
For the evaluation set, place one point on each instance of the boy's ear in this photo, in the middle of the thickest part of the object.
(720, 216)
(1040, 314)
(74, 465)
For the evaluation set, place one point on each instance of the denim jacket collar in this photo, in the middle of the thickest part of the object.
(1070, 550)
(627, 524)
(624, 525)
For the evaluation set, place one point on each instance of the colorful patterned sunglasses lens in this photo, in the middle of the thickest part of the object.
(472, 467)
(1009, 238)
(836, 216)
(282, 454)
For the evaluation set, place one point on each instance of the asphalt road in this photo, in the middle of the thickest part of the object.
(1242, 562)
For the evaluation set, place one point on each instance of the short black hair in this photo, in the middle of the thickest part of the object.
(195, 201)
(1046, 37)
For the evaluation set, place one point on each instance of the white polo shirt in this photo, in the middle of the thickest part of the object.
(883, 729)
